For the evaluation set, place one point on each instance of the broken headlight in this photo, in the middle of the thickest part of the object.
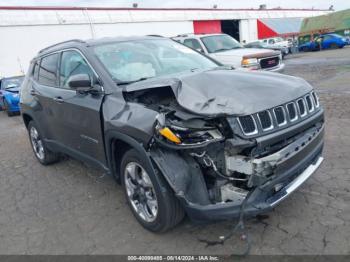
(195, 133)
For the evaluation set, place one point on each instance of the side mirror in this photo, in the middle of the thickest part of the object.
(80, 82)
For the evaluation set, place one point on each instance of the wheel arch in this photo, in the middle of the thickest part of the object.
(116, 146)
(26, 119)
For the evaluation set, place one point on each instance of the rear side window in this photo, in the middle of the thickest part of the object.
(48, 70)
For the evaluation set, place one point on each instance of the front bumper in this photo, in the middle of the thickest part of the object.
(288, 176)
(278, 69)
(14, 109)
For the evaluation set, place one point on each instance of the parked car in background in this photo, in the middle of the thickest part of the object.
(9, 94)
(257, 44)
(347, 40)
(183, 134)
(326, 41)
(228, 51)
(277, 42)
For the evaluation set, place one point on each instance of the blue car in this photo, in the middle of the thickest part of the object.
(9, 94)
(326, 41)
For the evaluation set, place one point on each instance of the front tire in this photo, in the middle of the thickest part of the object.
(41, 152)
(150, 198)
(6, 108)
(334, 46)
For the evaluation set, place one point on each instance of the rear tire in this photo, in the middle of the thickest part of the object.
(41, 152)
(142, 187)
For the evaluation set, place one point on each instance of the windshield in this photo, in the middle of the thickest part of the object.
(254, 45)
(11, 83)
(219, 43)
(142, 59)
(278, 39)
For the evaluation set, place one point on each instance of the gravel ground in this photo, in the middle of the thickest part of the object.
(69, 208)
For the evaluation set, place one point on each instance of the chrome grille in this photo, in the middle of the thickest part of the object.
(292, 111)
(301, 106)
(265, 120)
(279, 116)
(248, 125)
(315, 97)
(309, 103)
(269, 62)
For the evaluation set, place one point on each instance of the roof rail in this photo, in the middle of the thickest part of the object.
(60, 43)
(155, 35)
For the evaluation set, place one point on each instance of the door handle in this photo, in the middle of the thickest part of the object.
(58, 99)
(32, 92)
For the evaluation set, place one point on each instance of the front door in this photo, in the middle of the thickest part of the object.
(78, 114)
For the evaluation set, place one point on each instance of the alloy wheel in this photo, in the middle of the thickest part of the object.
(37, 143)
(140, 191)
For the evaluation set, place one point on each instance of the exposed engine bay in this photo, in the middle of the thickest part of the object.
(206, 160)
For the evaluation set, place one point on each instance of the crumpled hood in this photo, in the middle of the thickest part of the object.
(229, 92)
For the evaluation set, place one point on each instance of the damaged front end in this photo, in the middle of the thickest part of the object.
(213, 165)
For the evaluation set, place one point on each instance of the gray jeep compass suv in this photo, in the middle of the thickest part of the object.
(182, 133)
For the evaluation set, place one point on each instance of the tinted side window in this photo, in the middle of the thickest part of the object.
(48, 70)
(72, 63)
(193, 43)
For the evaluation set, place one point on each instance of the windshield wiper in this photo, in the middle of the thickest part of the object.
(119, 83)
(6, 88)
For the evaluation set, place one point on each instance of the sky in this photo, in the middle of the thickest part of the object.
(317, 4)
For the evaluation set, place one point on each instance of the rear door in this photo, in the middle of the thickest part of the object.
(44, 87)
(78, 114)
(327, 41)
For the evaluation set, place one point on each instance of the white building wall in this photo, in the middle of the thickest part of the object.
(248, 30)
(24, 32)
(146, 28)
(19, 44)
